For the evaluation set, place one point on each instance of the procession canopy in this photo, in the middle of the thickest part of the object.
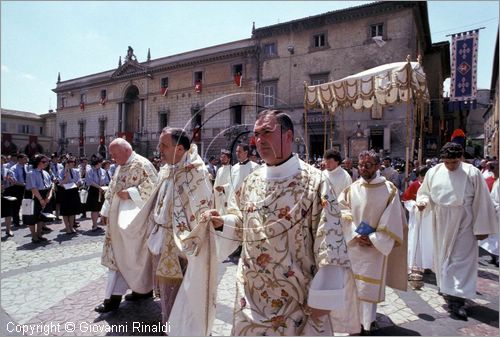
(388, 84)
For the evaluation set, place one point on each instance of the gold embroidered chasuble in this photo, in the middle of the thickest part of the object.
(124, 246)
(185, 192)
(377, 203)
(288, 231)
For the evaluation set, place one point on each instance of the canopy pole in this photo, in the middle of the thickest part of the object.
(305, 123)
(324, 130)
(408, 107)
(413, 139)
(421, 137)
(344, 140)
(331, 116)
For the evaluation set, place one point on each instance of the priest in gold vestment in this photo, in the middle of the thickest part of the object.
(294, 275)
(125, 251)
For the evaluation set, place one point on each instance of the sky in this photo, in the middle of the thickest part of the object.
(40, 39)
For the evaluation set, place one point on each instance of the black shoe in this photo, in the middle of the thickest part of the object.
(459, 312)
(137, 296)
(111, 304)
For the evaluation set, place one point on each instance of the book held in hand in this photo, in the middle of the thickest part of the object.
(364, 228)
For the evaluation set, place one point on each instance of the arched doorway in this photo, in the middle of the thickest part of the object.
(132, 111)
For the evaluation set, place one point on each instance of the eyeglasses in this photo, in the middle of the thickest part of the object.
(366, 166)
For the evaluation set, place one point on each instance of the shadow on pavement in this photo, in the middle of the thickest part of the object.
(426, 317)
(142, 318)
(483, 314)
(394, 331)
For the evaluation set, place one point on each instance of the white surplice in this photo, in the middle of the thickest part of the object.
(223, 179)
(337, 179)
(462, 208)
(420, 241)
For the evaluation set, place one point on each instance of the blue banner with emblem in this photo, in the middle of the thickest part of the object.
(463, 84)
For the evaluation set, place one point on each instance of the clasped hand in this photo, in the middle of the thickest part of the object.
(363, 241)
(213, 217)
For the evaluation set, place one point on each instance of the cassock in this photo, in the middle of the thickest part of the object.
(173, 216)
(462, 208)
(125, 250)
(377, 203)
(293, 254)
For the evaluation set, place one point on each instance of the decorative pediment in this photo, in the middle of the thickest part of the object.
(129, 68)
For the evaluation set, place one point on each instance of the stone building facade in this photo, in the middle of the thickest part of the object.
(491, 116)
(27, 132)
(274, 64)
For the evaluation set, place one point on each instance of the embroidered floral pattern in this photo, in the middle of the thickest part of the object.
(263, 260)
(277, 262)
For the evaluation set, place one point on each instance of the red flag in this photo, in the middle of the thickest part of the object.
(164, 91)
(197, 86)
(238, 79)
(103, 101)
(101, 140)
(82, 106)
(81, 141)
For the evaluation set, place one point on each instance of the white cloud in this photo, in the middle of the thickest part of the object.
(5, 69)
(28, 76)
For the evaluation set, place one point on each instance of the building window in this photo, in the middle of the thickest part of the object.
(319, 40)
(236, 115)
(270, 50)
(41, 130)
(25, 129)
(377, 30)
(62, 128)
(83, 98)
(4, 127)
(196, 117)
(63, 102)
(238, 69)
(317, 79)
(164, 83)
(162, 119)
(269, 91)
(103, 93)
(198, 77)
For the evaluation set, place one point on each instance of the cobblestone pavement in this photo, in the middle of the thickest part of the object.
(55, 286)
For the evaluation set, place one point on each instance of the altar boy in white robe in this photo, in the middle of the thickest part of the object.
(375, 231)
(336, 177)
(463, 213)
